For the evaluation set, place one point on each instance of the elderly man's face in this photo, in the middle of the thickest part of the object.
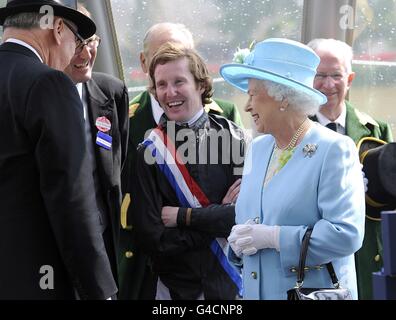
(80, 67)
(176, 90)
(63, 52)
(333, 80)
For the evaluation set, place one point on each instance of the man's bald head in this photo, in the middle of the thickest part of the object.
(160, 34)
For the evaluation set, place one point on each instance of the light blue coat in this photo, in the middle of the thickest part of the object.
(324, 191)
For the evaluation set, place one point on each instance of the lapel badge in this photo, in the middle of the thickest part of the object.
(104, 140)
(310, 149)
(103, 124)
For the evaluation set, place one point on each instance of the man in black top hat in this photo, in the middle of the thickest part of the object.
(51, 237)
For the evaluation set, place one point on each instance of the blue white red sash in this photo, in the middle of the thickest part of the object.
(187, 191)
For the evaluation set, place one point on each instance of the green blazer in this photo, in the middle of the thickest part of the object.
(369, 258)
(360, 125)
(135, 278)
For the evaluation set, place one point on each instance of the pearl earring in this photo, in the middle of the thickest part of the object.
(283, 105)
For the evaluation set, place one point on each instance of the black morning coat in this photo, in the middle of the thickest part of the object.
(51, 241)
(107, 97)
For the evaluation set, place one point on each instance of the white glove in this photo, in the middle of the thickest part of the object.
(248, 239)
(237, 249)
(365, 181)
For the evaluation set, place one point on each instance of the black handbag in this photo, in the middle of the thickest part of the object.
(300, 293)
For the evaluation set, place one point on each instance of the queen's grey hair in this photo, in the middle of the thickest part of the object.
(297, 100)
(167, 27)
(338, 47)
(24, 20)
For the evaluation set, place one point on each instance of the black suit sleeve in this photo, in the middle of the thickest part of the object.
(215, 219)
(122, 102)
(55, 125)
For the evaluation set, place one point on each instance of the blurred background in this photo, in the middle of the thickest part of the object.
(219, 27)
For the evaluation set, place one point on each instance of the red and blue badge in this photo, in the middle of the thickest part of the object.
(103, 124)
(104, 140)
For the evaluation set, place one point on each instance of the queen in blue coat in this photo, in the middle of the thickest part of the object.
(297, 175)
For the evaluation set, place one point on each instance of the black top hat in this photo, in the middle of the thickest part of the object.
(62, 8)
(379, 165)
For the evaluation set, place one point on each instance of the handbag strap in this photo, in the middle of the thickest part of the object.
(303, 257)
(333, 275)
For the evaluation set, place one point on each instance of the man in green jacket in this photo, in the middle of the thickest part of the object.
(135, 276)
(334, 78)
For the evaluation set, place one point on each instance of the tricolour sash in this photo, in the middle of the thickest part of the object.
(187, 191)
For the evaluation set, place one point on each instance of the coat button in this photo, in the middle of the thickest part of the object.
(293, 269)
(128, 254)
(377, 258)
(254, 275)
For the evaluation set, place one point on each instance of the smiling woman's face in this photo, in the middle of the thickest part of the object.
(261, 106)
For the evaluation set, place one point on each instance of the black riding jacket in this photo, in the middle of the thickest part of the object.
(181, 256)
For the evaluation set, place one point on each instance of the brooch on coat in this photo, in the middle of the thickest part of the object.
(310, 149)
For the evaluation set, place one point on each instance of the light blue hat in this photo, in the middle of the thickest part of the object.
(283, 61)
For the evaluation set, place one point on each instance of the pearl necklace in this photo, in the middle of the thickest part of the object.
(295, 137)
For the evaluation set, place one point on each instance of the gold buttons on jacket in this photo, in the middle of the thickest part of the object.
(377, 258)
(307, 268)
(254, 275)
(128, 254)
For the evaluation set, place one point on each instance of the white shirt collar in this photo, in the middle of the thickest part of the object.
(195, 117)
(341, 120)
(79, 87)
(156, 109)
(24, 44)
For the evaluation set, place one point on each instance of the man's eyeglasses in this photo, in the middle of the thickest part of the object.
(91, 43)
(79, 39)
(323, 76)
